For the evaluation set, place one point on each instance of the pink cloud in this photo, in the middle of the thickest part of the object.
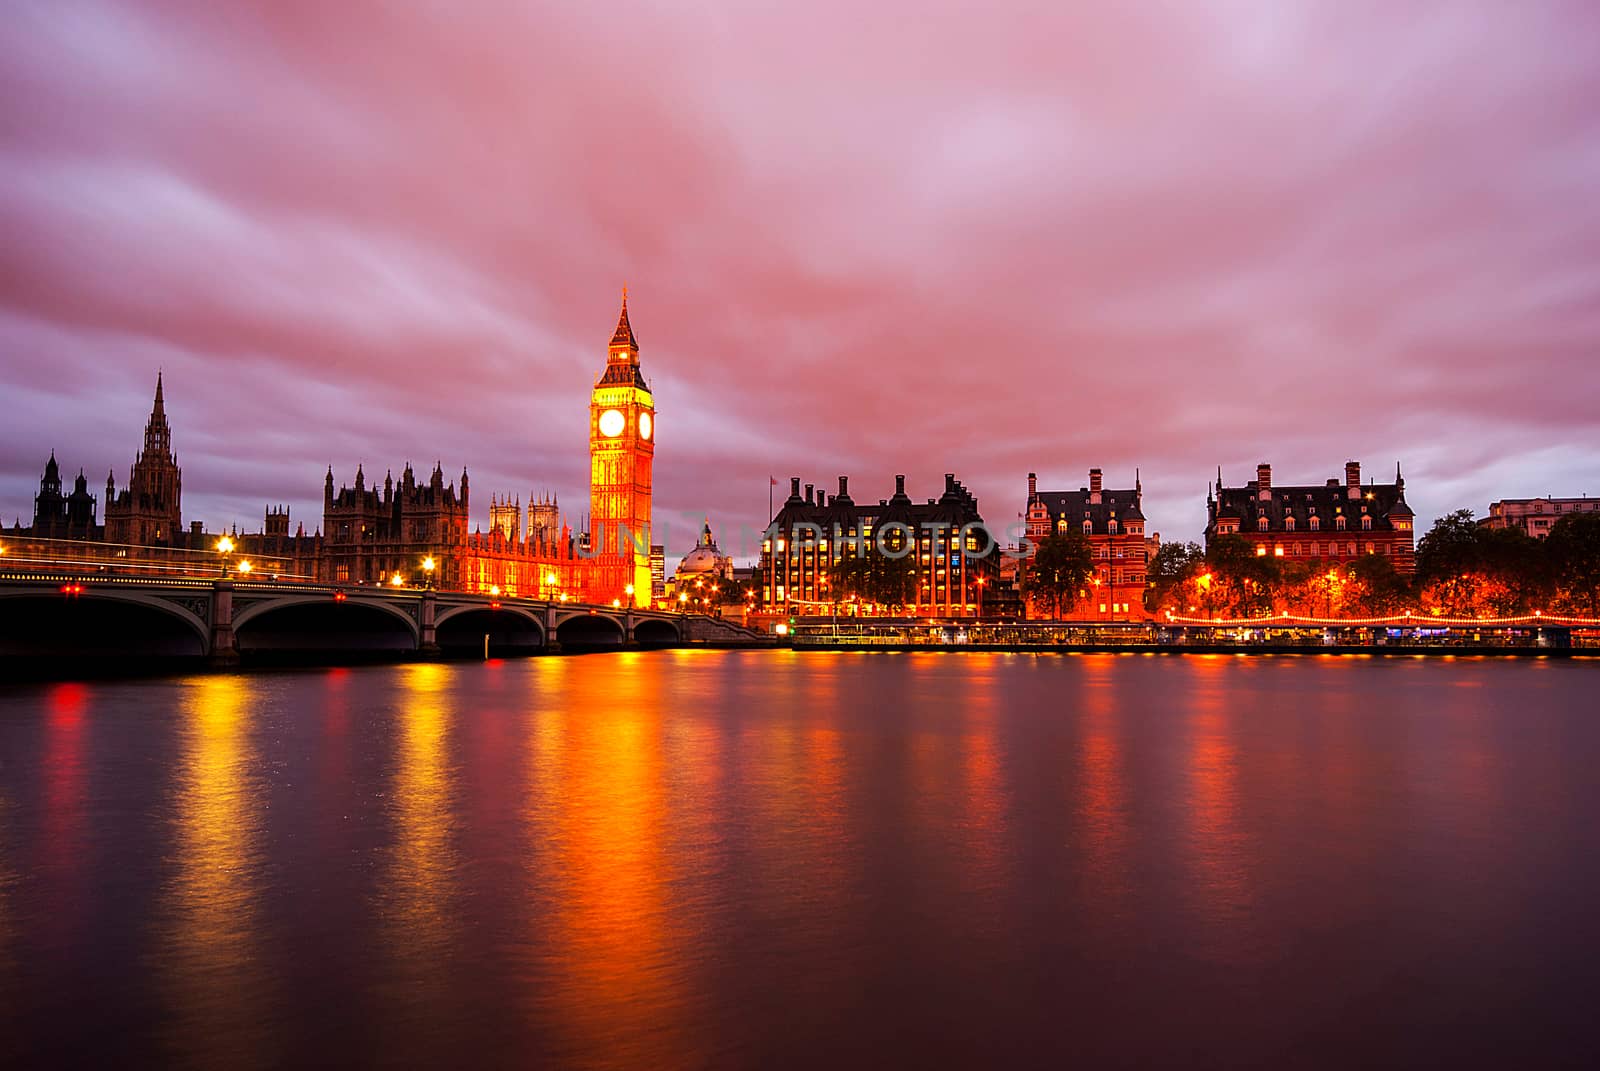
(859, 239)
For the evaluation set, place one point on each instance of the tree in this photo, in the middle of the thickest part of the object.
(1174, 565)
(1376, 588)
(1060, 566)
(1464, 568)
(1243, 581)
(1572, 552)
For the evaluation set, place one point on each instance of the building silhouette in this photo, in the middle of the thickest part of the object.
(147, 512)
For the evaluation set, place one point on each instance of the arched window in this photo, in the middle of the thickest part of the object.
(1366, 524)
(1338, 522)
(1111, 527)
(1061, 526)
(1088, 528)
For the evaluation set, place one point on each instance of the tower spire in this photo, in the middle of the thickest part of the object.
(623, 335)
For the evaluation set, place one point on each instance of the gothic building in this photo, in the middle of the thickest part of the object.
(146, 512)
(1113, 523)
(373, 536)
(1319, 524)
(58, 516)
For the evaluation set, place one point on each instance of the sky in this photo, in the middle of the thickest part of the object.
(859, 239)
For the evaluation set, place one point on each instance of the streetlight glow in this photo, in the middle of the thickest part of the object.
(244, 566)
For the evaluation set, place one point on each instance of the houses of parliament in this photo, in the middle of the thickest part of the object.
(382, 533)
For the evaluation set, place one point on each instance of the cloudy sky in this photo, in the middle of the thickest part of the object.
(858, 238)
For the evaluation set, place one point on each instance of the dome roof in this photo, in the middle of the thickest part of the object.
(699, 560)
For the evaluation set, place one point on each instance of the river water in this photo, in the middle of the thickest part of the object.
(776, 859)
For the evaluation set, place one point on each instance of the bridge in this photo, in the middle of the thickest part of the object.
(55, 615)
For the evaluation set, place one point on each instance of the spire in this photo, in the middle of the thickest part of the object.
(160, 407)
(623, 335)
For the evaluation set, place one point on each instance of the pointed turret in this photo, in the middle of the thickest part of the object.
(623, 336)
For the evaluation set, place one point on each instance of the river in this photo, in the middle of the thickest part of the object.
(780, 859)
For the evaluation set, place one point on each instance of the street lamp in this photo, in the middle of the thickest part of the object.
(245, 567)
(224, 548)
(397, 580)
(428, 565)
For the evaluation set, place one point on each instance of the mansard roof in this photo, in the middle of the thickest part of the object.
(1380, 501)
(1078, 506)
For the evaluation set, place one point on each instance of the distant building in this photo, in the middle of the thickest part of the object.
(1536, 516)
(58, 516)
(1319, 524)
(658, 571)
(811, 532)
(705, 567)
(1113, 522)
(147, 512)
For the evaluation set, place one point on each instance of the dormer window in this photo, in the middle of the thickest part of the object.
(1288, 524)
(1088, 527)
(1366, 524)
(1338, 522)
(1316, 522)
(1111, 527)
(1261, 523)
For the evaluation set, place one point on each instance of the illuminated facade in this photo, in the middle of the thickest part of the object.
(1113, 523)
(621, 453)
(1320, 525)
(1536, 516)
(954, 557)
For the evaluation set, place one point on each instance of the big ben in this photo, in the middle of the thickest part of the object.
(621, 450)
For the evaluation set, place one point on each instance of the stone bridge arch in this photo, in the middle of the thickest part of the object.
(509, 628)
(323, 623)
(98, 621)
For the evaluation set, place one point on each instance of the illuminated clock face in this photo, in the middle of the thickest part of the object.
(612, 422)
(645, 425)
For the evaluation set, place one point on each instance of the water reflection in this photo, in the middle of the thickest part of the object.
(597, 809)
(210, 940)
(418, 888)
(1219, 847)
(1104, 806)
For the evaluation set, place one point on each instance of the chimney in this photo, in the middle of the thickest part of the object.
(1352, 478)
(809, 488)
(844, 487)
(1033, 486)
(1095, 481)
(900, 484)
(794, 487)
(949, 483)
(1264, 480)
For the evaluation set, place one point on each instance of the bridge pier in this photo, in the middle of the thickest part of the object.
(223, 650)
(551, 644)
(428, 641)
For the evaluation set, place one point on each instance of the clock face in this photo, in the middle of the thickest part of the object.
(612, 422)
(646, 425)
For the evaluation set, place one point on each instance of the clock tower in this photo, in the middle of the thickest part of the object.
(622, 446)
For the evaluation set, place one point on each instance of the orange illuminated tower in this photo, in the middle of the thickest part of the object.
(621, 450)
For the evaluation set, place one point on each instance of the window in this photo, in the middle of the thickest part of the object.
(1088, 527)
(1338, 522)
(1316, 522)
(1352, 549)
(1288, 524)
(1111, 527)
(1261, 523)
(1366, 524)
